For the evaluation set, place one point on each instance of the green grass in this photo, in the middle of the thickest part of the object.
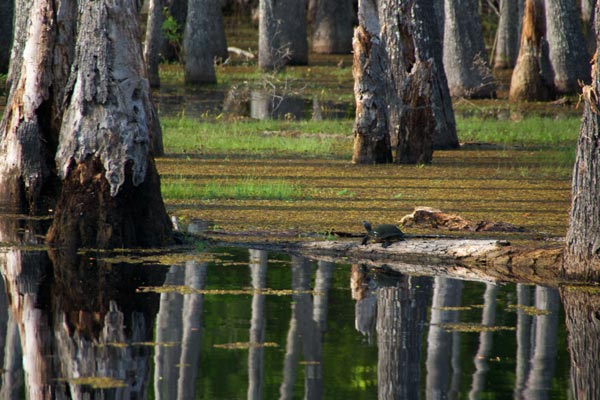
(273, 138)
(530, 131)
(247, 188)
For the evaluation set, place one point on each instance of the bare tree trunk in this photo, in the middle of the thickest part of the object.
(567, 52)
(7, 9)
(428, 40)
(587, 25)
(332, 33)
(530, 80)
(581, 259)
(583, 326)
(203, 40)
(465, 57)
(392, 87)
(282, 34)
(154, 40)
(507, 37)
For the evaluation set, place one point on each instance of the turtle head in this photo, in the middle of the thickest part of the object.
(367, 226)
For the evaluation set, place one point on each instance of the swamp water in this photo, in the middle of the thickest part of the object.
(233, 323)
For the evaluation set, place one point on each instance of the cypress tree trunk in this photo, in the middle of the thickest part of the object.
(428, 40)
(80, 128)
(566, 45)
(203, 40)
(332, 33)
(587, 24)
(530, 78)
(282, 34)
(582, 252)
(507, 45)
(465, 57)
(154, 40)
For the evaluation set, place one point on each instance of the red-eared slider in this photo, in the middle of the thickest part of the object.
(385, 234)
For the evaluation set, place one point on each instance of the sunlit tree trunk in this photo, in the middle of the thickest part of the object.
(566, 45)
(323, 282)
(507, 37)
(256, 367)
(465, 57)
(485, 341)
(6, 27)
(582, 252)
(154, 41)
(583, 326)
(531, 78)
(332, 32)
(282, 34)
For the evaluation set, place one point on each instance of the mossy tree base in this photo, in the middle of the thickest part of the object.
(88, 216)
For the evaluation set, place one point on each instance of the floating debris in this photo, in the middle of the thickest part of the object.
(149, 344)
(98, 382)
(529, 310)
(471, 327)
(244, 345)
(190, 290)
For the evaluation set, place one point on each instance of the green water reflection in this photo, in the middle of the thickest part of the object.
(260, 325)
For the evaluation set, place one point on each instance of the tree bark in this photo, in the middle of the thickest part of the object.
(282, 34)
(507, 36)
(332, 33)
(530, 79)
(587, 25)
(7, 9)
(428, 40)
(154, 40)
(203, 41)
(392, 87)
(582, 251)
(465, 56)
(566, 49)
(258, 325)
(80, 128)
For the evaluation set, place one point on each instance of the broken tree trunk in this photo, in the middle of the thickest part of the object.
(111, 190)
(530, 78)
(393, 88)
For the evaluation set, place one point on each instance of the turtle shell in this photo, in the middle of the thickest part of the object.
(387, 232)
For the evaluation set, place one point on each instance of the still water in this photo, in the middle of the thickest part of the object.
(233, 323)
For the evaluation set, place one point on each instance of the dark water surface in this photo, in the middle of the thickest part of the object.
(232, 323)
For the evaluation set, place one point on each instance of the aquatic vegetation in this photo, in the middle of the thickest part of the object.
(98, 382)
(471, 327)
(244, 345)
(529, 310)
(189, 290)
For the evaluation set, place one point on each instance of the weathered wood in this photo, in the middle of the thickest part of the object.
(582, 253)
(371, 138)
(154, 41)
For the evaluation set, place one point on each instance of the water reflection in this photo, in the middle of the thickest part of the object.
(231, 328)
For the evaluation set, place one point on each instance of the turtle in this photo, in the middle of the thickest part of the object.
(385, 234)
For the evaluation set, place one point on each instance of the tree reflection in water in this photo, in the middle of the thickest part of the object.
(82, 317)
